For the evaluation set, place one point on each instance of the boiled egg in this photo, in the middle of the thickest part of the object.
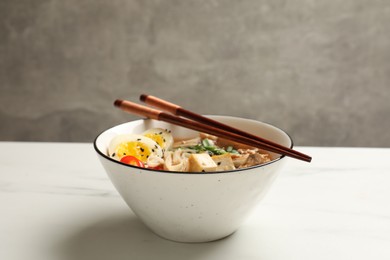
(162, 137)
(139, 146)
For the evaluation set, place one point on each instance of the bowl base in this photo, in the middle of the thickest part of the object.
(194, 241)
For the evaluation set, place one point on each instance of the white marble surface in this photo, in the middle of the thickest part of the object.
(57, 203)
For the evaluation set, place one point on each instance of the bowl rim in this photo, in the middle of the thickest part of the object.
(198, 173)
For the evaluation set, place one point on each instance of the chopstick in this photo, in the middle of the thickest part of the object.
(180, 111)
(145, 111)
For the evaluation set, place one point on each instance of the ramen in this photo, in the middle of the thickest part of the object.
(157, 149)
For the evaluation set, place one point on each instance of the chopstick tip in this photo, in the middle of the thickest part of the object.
(118, 102)
(143, 97)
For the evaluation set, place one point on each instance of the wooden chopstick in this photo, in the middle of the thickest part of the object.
(145, 111)
(180, 111)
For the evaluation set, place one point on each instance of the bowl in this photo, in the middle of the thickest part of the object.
(192, 207)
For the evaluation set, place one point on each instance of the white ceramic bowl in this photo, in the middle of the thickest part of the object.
(192, 207)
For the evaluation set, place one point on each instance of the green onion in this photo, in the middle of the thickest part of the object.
(206, 142)
(206, 146)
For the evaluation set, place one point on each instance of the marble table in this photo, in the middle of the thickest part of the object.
(57, 203)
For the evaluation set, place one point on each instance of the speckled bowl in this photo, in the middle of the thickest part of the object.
(192, 207)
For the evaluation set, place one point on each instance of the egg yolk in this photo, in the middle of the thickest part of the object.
(158, 138)
(137, 149)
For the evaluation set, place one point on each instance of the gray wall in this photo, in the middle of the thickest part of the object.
(318, 69)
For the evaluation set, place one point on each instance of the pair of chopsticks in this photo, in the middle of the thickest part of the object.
(178, 116)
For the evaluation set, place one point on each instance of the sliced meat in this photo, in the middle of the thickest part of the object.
(256, 159)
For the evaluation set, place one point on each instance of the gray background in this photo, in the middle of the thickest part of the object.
(318, 69)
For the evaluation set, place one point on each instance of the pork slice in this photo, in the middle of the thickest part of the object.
(255, 159)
